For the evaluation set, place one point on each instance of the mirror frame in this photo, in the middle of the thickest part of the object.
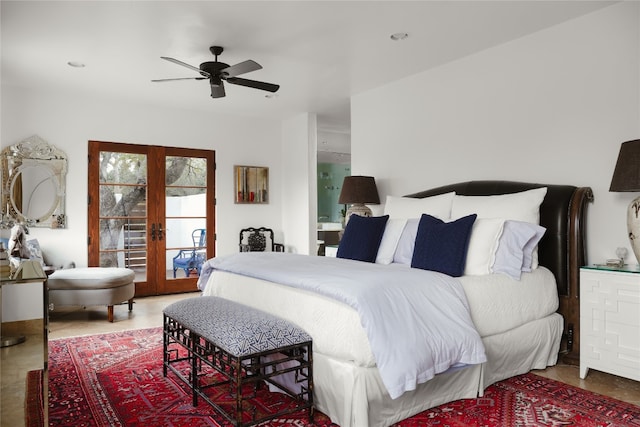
(17, 158)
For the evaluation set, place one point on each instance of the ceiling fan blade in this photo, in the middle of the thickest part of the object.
(241, 68)
(184, 64)
(179, 78)
(217, 91)
(269, 87)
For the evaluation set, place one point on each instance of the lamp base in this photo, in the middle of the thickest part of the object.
(359, 209)
(633, 226)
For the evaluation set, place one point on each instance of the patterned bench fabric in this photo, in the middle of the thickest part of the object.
(238, 329)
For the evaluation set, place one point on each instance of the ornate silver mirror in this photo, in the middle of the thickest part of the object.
(33, 184)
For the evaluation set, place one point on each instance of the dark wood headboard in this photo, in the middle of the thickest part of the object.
(563, 247)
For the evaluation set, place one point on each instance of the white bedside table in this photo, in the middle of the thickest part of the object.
(610, 320)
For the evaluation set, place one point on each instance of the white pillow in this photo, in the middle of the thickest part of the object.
(483, 244)
(390, 238)
(404, 250)
(523, 206)
(408, 207)
(509, 257)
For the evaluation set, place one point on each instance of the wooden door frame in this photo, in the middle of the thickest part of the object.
(155, 164)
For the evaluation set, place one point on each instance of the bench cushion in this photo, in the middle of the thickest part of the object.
(90, 278)
(236, 328)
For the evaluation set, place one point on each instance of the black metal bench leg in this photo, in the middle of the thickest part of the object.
(165, 349)
(238, 381)
(194, 368)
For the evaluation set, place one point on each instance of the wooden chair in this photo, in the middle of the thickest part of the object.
(258, 240)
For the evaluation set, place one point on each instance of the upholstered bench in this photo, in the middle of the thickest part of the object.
(92, 286)
(243, 346)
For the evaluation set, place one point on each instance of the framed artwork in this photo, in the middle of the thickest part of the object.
(252, 184)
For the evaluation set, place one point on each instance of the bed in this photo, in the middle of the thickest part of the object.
(520, 331)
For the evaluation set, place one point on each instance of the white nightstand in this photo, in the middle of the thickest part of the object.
(610, 320)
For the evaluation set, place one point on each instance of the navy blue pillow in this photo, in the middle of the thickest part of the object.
(442, 246)
(362, 237)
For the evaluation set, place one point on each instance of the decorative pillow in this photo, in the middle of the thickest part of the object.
(408, 207)
(442, 246)
(390, 238)
(510, 253)
(362, 237)
(34, 249)
(483, 244)
(404, 249)
(523, 206)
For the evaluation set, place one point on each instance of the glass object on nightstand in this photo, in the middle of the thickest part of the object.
(621, 253)
(625, 268)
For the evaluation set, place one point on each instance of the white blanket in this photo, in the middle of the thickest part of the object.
(417, 321)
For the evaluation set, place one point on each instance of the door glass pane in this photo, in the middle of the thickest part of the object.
(123, 211)
(186, 211)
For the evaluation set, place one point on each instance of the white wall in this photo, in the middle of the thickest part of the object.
(68, 121)
(552, 107)
(299, 192)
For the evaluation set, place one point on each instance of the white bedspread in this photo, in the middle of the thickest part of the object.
(417, 322)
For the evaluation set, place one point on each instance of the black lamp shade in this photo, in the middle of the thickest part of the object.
(359, 189)
(626, 175)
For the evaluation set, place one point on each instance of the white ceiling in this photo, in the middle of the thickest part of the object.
(320, 52)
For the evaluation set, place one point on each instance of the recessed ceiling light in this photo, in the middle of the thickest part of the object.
(399, 36)
(76, 64)
(271, 95)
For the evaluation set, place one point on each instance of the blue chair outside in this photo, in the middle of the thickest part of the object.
(192, 259)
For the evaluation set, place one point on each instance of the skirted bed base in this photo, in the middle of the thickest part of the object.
(354, 395)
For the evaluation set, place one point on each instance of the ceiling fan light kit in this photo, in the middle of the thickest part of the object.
(216, 72)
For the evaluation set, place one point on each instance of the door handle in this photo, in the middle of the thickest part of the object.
(153, 232)
(159, 231)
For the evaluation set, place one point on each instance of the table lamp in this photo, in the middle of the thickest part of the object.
(356, 191)
(626, 177)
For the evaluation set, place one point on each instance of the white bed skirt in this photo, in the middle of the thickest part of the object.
(351, 392)
(534, 345)
(355, 396)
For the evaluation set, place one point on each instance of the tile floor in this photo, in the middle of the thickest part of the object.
(15, 362)
(147, 312)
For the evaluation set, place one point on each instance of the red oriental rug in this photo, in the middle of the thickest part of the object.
(116, 380)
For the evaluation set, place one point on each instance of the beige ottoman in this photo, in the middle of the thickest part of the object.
(92, 286)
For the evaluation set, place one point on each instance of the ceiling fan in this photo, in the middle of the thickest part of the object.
(216, 72)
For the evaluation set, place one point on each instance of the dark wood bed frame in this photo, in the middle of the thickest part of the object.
(562, 249)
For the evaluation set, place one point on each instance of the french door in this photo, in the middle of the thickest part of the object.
(152, 209)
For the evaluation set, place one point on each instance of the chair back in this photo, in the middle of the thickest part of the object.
(199, 237)
(260, 239)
